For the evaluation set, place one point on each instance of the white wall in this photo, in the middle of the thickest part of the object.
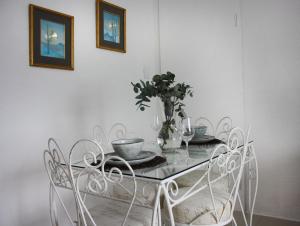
(38, 103)
(250, 72)
(201, 44)
(272, 86)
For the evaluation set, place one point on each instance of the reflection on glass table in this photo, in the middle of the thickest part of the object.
(176, 162)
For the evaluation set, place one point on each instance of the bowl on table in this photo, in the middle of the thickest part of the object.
(128, 148)
(200, 131)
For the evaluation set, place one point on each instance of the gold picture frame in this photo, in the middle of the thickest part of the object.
(51, 38)
(110, 26)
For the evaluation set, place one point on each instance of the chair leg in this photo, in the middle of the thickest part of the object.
(234, 222)
(52, 205)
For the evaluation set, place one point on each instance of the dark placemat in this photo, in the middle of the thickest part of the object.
(211, 142)
(157, 160)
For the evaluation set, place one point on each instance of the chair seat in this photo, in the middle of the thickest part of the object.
(110, 213)
(199, 208)
(191, 178)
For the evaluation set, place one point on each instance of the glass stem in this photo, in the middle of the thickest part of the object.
(187, 151)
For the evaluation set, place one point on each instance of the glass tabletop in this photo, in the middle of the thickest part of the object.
(177, 161)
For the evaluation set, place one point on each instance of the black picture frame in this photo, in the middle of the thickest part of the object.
(120, 13)
(38, 14)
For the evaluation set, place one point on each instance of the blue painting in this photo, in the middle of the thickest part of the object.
(52, 39)
(111, 27)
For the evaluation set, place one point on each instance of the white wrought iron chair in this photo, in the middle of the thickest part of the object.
(145, 190)
(222, 129)
(205, 204)
(117, 131)
(250, 186)
(95, 180)
(59, 176)
(100, 136)
(221, 132)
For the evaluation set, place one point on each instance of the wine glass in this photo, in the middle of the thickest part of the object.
(187, 131)
(156, 123)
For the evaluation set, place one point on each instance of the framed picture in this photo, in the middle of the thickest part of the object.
(110, 26)
(51, 38)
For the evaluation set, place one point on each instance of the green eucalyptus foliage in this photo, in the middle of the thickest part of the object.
(164, 87)
(171, 94)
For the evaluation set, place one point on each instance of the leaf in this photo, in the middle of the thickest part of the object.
(138, 102)
(140, 96)
(164, 87)
(143, 83)
(146, 99)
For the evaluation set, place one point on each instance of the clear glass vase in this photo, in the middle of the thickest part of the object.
(172, 143)
(169, 137)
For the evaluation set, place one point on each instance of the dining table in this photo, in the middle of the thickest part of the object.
(159, 178)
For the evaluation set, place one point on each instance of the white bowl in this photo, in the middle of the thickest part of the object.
(200, 131)
(128, 148)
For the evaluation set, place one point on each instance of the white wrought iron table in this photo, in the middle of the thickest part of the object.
(179, 163)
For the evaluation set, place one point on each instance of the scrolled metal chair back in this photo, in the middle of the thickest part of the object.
(229, 159)
(223, 128)
(95, 177)
(117, 131)
(59, 176)
(100, 136)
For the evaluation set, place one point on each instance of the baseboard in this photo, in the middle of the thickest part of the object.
(277, 217)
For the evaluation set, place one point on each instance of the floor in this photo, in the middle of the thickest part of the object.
(265, 221)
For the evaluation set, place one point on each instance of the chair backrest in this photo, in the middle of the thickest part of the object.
(100, 136)
(117, 131)
(95, 177)
(59, 176)
(223, 128)
(229, 160)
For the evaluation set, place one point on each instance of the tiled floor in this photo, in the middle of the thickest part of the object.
(265, 221)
